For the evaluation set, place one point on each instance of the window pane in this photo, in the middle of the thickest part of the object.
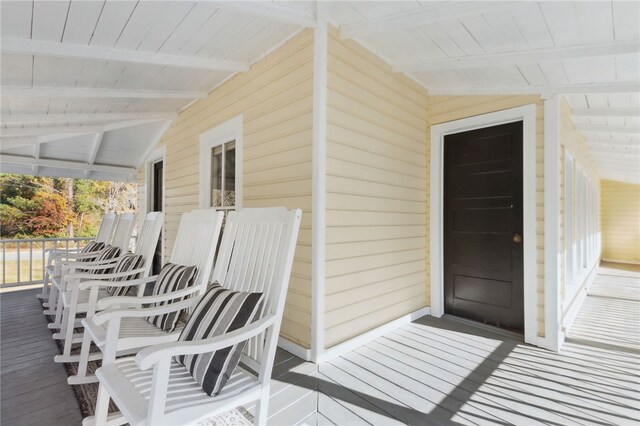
(230, 174)
(216, 177)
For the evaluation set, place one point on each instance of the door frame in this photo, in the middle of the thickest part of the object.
(526, 114)
(155, 156)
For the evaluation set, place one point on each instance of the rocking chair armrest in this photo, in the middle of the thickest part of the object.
(91, 266)
(101, 280)
(147, 357)
(106, 315)
(142, 300)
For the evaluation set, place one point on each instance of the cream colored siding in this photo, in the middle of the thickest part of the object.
(377, 191)
(620, 209)
(443, 109)
(275, 98)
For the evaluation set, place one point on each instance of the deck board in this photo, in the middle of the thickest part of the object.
(430, 372)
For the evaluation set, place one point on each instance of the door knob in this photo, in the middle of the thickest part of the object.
(517, 238)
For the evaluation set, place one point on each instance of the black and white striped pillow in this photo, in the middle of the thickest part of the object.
(108, 253)
(219, 311)
(171, 278)
(126, 263)
(94, 248)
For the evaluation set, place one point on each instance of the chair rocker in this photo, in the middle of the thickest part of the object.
(56, 256)
(195, 245)
(76, 301)
(256, 255)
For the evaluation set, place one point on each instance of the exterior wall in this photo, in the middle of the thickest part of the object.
(275, 98)
(442, 109)
(620, 210)
(377, 193)
(572, 143)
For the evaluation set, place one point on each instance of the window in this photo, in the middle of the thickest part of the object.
(569, 222)
(221, 166)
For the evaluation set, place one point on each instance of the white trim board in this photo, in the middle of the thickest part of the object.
(526, 114)
(366, 337)
(294, 348)
(623, 261)
(230, 130)
(155, 156)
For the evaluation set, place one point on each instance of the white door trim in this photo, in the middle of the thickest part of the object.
(526, 114)
(155, 156)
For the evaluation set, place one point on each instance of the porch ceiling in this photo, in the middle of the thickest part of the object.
(89, 87)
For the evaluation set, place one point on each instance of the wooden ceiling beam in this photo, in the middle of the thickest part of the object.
(606, 112)
(518, 57)
(65, 50)
(270, 10)
(63, 164)
(90, 92)
(70, 130)
(420, 16)
(632, 130)
(606, 87)
(80, 118)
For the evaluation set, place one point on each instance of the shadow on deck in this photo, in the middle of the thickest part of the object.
(433, 371)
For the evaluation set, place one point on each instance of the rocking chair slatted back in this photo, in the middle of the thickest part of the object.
(196, 242)
(256, 255)
(107, 226)
(148, 238)
(123, 231)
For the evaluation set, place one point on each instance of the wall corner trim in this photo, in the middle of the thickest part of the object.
(552, 261)
(294, 348)
(319, 181)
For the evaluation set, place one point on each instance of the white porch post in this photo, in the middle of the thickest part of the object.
(552, 254)
(318, 190)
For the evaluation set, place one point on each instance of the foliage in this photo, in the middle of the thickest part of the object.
(58, 207)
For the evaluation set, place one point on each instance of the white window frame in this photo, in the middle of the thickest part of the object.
(569, 220)
(157, 155)
(229, 131)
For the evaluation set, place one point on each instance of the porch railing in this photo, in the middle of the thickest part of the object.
(24, 260)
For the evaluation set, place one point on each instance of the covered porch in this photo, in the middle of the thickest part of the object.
(432, 371)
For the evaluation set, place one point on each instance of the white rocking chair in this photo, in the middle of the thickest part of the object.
(256, 255)
(121, 237)
(75, 301)
(195, 245)
(56, 255)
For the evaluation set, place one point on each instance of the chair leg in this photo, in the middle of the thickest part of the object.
(102, 406)
(81, 377)
(68, 319)
(59, 309)
(262, 409)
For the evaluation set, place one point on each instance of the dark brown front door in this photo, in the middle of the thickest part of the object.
(483, 272)
(156, 206)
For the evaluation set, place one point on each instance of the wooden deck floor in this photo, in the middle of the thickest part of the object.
(433, 371)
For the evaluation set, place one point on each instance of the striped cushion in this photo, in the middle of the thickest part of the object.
(108, 253)
(93, 247)
(126, 263)
(171, 278)
(219, 311)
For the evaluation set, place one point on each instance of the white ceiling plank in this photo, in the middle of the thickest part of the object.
(64, 130)
(609, 129)
(418, 17)
(86, 92)
(113, 19)
(612, 87)
(172, 16)
(36, 155)
(518, 57)
(625, 20)
(532, 25)
(595, 20)
(65, 50)
(606, 112)
(561, 19)
(49, 18)
(15, 19)
(72, 165)
(153, 142)
(81, 118)
(140, 23)
(272, 11)
(81, 21)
